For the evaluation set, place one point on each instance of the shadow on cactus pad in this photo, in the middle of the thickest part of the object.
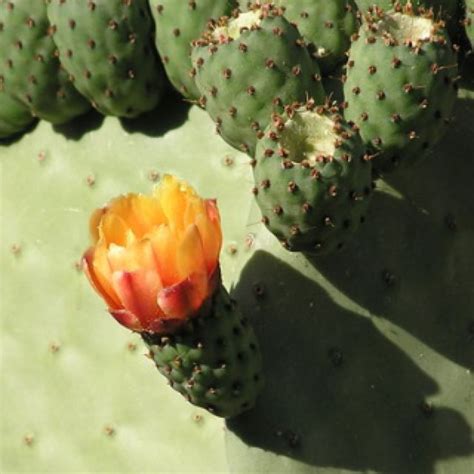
(80, 126)
(170, 113)
(413, 263)
(339, 393)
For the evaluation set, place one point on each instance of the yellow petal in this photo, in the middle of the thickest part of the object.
(113, 229)
(173, 196)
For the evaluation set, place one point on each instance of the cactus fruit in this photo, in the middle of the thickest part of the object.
(312, 179)
(214, 361)
(401, 86)
(14, 116)
(31, 72)
(247, 68)
(178, 23)
(107, 48)
(326, 27)
(447, 10)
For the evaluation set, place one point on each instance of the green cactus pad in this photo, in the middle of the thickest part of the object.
(312, 179)
(214, 361)
(31, 72)
(178, 23)
(107, 48)
(400, 87)
(248, 68)
(14, 116)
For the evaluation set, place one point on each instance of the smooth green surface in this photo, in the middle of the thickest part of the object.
(67, 399)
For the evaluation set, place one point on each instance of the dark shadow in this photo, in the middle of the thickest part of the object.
(4, 142)
(170, 113)
(338, 393)
(467, 72)
(78, 127)
(413, 263)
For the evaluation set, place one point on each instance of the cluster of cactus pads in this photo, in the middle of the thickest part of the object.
(259, 70)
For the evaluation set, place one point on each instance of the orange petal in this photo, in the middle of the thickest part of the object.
(100, 268)
(94, 223)
(185, 298)
(190, 256)
(138, 292)
(211, 241)
(164, 246)
(88, 266)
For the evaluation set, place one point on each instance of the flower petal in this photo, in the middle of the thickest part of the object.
(190, 258)
(164, 246)
(138, 291)
(94, 223)
(88, 265)
(127, 319)
(185, 298)
(113, 229)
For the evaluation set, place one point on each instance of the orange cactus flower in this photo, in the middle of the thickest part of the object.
(155, 259)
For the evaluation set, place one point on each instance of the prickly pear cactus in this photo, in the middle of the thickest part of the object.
(313, 179)
(249, 67)
(444, 8)
(31, 72)
(107, 49)
(401, 86)
(214, 362)
(371, 349)
(177, 25)
(368, 354)
(326, 26)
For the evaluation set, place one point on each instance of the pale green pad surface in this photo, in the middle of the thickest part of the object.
(67, 399)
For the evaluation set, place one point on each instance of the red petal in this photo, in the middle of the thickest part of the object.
(137, 291)
(127, 319)
(182, 300)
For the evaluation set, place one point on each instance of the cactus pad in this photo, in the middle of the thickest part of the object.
(107, 48)
(178, 23)
(400, 87)
(249, 67)
(31, 71)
